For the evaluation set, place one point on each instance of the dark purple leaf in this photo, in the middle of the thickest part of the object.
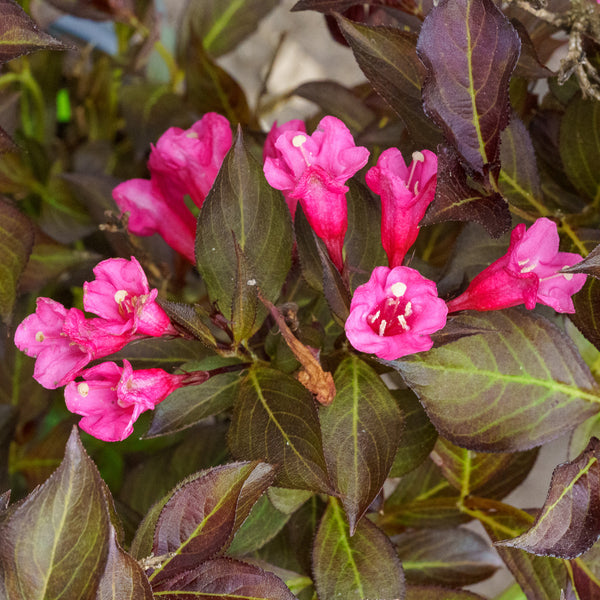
(200, 518)
(470, 50)
(55, 542)
(361, 431)
(586, 573)
(225, 579)
(6, 143)
(354, 567)
(590, 265)
(190, 320)
(275, 419)
(430, 592)
(569, 522)
(334, 288)
(457, 199)
(20, 35)
(512, 389)
(98, 10)
(529, 65)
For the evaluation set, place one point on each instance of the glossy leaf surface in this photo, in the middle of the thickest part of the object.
(512, 389)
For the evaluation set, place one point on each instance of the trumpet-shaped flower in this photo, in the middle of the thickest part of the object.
(405, 192)
(394, 313)
(314, 169)
(527, 274)
(111, 398)
(187, 161)
(150, 212)
(120, 294)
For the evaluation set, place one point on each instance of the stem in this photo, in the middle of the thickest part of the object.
(578, 243)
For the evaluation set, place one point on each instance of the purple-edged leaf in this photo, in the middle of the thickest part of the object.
(221, 25)
(243, 209)
(519, 178)
(569, 522)
(448, 557)
(512, 389)
(275, 419)
(540, 577)
(430, 592)
(20, 35)
(388, 58)
(580, 146)
(123, 577)
(225, 579)
(529, 65)
(200, 518)
(354, 567)
(334, 288)
(55, 542)
(586, 573)
(470, 50)
(97, 10)
(491, 475)
(16, 242)
(590, 265)
(457, 199)
(361, 431)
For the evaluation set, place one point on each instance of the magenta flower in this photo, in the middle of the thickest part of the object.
(405, 192)
(394, 313)
(528, 273)
(63, 342)
(150, 212)
(314, 170)
(111, 398)
(120, 294)
(270, 151)
(187, 161)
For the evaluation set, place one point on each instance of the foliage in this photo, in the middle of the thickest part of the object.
(283, 462)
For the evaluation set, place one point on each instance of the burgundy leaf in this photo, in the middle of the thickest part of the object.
(20, 35)
(470, 50)
(569, 522)
(98, 10)
(225, 579)
(456, 200)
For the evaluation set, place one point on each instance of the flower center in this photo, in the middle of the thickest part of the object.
(392, 315)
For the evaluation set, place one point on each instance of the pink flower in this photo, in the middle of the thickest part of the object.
(111, 398)
(528, 273)
(394, 313)
(405, 192)
(63, 342)
(150, 212)
(270, 151)
(187, 161)
(314, 169)
(121, 295)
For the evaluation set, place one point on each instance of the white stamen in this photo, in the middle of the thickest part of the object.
(191, 135)
(522, 262)
(403, 323)
(529, 268)
(39, 336)
(418, 156)
(298, 140)
(374, 317)
(83, 389)
(398, 289)
(408, 309)
(251, 282)
(382, 327)
(120, 295)
(568, 276)
(416, 188)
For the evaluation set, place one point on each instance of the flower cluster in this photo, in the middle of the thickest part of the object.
(64, 341)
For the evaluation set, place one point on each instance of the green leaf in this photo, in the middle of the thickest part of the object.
(55, 542)
(16, 242)
(275, 419)
(189, 319)
(448, 557)
(162, 353)
(540, 577)
(245, 306)
(224, 579)
(189, 405)
(123, 577)
(580, 146)
(361, 431)
(242, 208)
(200, 518)
(483, 474)
(418, 434)
(519, 178)
(20, 35)
(286, 500)
(569, 522)
(514, 388)
(354, 567)
(221, 24)
(388, 58)
(469, 49)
